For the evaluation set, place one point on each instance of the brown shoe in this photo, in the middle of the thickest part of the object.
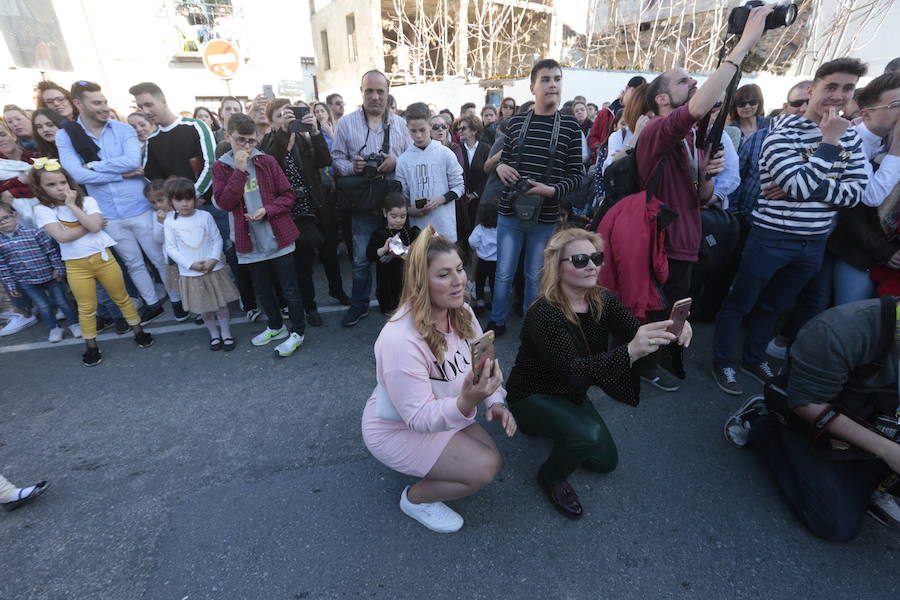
(562, 496)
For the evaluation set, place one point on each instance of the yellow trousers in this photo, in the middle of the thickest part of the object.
(83, 275)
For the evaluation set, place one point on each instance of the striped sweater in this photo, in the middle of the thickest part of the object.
(185, 148)
(818, 178)
(567, 170)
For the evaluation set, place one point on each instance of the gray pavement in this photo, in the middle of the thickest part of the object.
(179, 473)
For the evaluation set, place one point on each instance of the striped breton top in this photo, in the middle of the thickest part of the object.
(567, 170)
(818, 178)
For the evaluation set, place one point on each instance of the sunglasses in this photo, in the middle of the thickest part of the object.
(743, 103)
(894, 104)
(798, 103)
(438, 127)
(509, 106)
(580, 261)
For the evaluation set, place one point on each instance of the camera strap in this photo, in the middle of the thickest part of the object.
(386, 140)
(554, 140)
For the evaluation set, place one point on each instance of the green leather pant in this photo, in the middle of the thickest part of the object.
(580, 437)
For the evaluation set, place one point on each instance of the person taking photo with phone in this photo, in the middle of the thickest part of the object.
(420, 419)
(565, 350)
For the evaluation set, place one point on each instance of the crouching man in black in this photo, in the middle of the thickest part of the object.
(823, 432)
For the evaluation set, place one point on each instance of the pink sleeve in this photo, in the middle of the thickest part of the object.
(404, 372)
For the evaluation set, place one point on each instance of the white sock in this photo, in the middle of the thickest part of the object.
(20, 493)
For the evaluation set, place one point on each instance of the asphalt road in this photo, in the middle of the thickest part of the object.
(179, 473)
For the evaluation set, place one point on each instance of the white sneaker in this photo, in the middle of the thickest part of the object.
(737, 427)
(60, 315)
(436, 516)
(883, 508)
(75, 330)
(776, 351)
(290, 345)
(268, 334)
(56, 335)
(16, 324)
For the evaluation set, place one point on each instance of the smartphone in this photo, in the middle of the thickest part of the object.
(421, 202)
(482, 350)
(680, 312)
(268, 92)
(296, 126)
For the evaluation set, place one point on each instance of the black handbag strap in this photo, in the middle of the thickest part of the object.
(554, 140)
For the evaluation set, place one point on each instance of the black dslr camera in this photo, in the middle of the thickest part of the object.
(782, 16)
(373, 161)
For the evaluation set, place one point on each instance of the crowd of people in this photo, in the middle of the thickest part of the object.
(789, 225)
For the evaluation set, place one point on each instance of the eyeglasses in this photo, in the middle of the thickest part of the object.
(54, 101)
(798, 103)
(894, 104)
(242, 141)
(580, 261)
(750, 102)
(438, 127)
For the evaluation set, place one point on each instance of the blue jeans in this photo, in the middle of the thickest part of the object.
(363, 226)
(47, 295)
(851, 284)
(106, 308)
(774, 268)
(510, 239)
(813, 299)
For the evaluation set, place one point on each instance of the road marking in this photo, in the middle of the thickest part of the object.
(152, 328)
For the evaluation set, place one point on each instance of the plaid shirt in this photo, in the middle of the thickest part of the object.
(28, 256)
(743, 200)
(14, 186)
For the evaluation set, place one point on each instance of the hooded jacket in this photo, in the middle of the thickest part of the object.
(818, 178)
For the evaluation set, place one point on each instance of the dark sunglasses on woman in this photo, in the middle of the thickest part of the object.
(743, 103)
(580, 261)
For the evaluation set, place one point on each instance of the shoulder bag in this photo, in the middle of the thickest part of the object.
(360, 194)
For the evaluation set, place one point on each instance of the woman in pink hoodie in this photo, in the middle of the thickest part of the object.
(420, 420)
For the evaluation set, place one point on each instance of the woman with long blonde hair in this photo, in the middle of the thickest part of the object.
(420, 419)
(565, 350)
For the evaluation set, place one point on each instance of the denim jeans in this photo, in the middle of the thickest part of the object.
(364, 225)
(47, 295)
(851, 284)
(774, 268)
(813, 299)
(511, 237)
(830, 497)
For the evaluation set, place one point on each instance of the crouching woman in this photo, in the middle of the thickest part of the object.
(420, 420)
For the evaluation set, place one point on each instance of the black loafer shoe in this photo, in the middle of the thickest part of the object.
(39, 488)
(314, 318)
(563, 497)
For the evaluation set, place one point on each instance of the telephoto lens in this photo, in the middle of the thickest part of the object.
(782, 16)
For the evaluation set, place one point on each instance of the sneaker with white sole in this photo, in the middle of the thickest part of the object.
(268, 334)
(75, 330)
(59, 314)
(776, 351)
(883, 508)
(737, 427)
(436, 516)
(17, 323)
(662, 379)
(726, 379)
(56, 335)
(761, 372)
(290, 345)
(253, 314)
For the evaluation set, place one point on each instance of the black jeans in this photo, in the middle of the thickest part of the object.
(304, 260)
(281, 270)
(484, 274)
(829, 497)
(328, 256)
(580, 437)
(677, 286)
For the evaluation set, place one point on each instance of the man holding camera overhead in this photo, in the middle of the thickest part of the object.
(686, 182)
(366, 144)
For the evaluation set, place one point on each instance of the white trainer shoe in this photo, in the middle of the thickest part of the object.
(56, 335)
(436, 516)
(290, 345)
(776, 351)
(268, 334)
(17, 323)
(883, 508)
(75, 330)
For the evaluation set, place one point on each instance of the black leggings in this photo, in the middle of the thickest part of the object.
(485, 270)
(580, 437)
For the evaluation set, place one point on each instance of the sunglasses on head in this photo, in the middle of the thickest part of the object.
(743, 103)
(580, 261)
(798, 103)
(438, 127)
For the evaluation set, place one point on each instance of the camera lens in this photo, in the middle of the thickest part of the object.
(782, 16)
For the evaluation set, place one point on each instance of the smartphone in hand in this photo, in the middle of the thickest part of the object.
(681, 310)
(482, 351)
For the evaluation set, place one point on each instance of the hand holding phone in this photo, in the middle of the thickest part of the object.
(482, 351)
(681, 310)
